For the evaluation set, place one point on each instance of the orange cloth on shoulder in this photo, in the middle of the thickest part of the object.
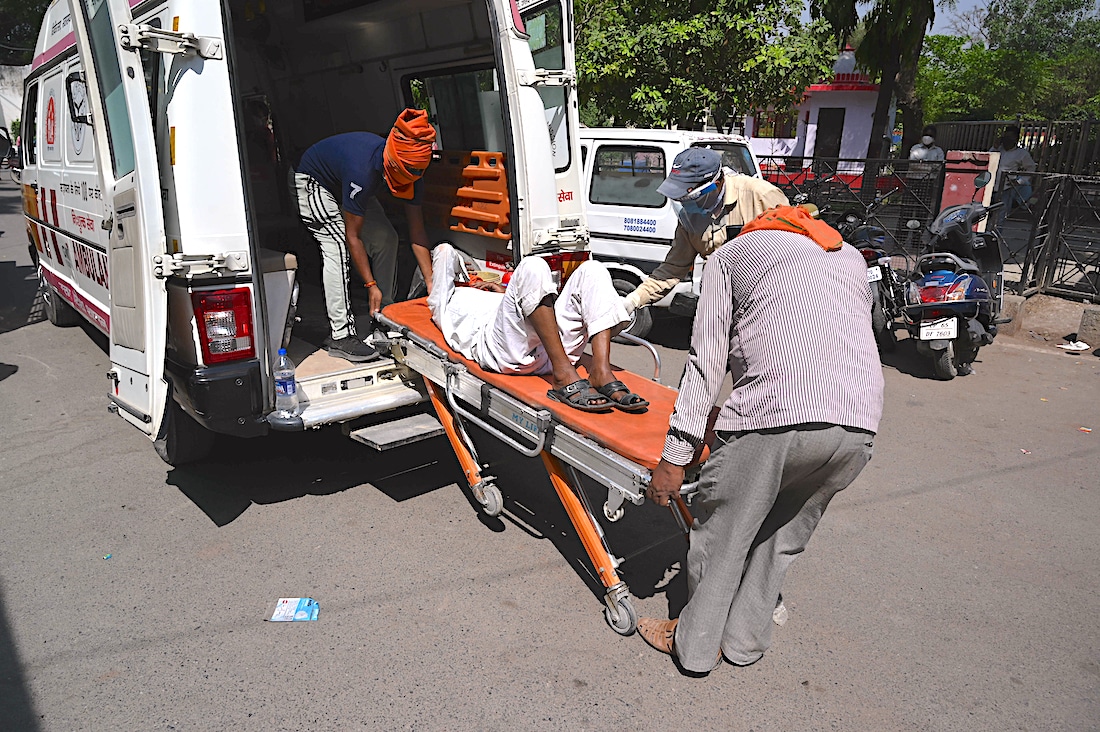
(799, 221)
(408, 151)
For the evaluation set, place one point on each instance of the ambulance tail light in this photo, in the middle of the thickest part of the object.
(564, 264)
(224, 319)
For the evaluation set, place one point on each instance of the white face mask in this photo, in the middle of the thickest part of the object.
(927, 141)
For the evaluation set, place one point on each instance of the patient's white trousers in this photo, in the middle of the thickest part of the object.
(493, 330)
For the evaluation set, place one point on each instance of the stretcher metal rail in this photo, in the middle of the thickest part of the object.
(460, 396)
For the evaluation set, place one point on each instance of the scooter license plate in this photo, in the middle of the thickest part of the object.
(874, 274)
(936, 330)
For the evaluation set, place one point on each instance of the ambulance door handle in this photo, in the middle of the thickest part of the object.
(107, 224)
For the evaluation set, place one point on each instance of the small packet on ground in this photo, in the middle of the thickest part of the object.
(289, 609)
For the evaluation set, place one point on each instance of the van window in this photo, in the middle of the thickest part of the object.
(464, 106)
(544, 29)
(628, 175)
(736, 157)
(27, 133)
(105, 55)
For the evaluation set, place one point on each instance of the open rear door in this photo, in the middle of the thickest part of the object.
(127, 156)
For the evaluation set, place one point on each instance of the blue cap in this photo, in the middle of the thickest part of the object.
(690, 168)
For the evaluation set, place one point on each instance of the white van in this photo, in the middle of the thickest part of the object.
(631, 224)
(158, 135)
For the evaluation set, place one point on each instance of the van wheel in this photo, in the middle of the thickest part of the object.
(182, 440)
(59, 312)
(641, 321)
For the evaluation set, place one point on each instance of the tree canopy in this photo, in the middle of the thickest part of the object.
(658, 62)
(1032, 58)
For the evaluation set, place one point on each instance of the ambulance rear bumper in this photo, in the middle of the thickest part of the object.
(226, 398)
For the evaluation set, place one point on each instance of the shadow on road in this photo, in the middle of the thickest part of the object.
(282, 467)
(16, 708)
(20, 300)
(646, 538)
(906, 360)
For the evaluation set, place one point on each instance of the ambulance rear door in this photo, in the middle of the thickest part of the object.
(133, 217)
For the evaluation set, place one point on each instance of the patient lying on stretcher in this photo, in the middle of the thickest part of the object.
(528, 328)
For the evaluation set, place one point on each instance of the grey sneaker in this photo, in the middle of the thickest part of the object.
(351, 349)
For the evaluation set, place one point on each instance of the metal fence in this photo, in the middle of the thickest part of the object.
(1060, 254)
(907, 190)
(1052, 233)
(1071, 147)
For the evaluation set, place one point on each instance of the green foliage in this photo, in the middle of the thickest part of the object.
(19, 22)
(957, 81)
(1047, 27)
(658, 62)
(15, 126)
(1041, 62)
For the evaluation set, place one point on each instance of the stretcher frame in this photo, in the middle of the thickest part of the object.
(461, 397)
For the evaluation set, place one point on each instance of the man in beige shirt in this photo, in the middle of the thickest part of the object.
(716, 203)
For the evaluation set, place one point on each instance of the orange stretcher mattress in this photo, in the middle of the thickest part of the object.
(637, 437)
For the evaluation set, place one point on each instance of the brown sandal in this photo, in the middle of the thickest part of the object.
(660, 634)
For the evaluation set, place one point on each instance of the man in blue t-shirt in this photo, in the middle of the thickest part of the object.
(336, 184)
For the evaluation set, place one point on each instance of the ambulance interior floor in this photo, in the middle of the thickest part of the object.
(311, 326)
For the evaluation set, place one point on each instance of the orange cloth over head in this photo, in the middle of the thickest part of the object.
(799, 221)
(408, 151)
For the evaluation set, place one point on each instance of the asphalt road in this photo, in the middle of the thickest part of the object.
(952, 587)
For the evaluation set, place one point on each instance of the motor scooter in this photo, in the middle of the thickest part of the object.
(954, 298)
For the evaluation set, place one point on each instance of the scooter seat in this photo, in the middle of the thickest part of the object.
(947, 261)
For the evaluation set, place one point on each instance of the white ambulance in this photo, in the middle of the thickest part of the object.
(157, 140)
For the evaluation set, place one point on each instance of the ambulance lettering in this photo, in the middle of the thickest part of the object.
(91, 263)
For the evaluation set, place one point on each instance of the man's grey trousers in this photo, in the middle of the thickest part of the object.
(761, 495)
(320, 212)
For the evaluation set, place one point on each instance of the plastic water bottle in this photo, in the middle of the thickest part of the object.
(286, 389)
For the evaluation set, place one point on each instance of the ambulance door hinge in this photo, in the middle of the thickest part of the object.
(546, 77)
(190, 265)
(561, 237)
(145, 37)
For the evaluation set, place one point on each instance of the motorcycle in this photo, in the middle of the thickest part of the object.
(954, 298)
(887, 287)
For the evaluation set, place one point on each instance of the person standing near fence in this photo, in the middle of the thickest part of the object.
(1011, 188)
(925, 167)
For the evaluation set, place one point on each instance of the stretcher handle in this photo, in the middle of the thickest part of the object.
(406, 332)
(652, 351)
(543, 418)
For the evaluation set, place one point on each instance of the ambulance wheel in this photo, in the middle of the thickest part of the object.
(59, 312)
(182, 440)
(615, 515)
(628, 617)
(641, 321)
(943, 363)
(494, 501)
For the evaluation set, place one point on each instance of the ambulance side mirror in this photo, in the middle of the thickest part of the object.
(76, 89)
(981, 180)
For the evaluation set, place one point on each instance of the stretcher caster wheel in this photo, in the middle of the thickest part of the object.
(492, 502)
(615, 515)
(628, 617)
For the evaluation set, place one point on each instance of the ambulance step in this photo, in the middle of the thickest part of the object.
(399, 432)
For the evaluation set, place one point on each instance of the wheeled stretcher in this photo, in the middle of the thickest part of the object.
(616, 449)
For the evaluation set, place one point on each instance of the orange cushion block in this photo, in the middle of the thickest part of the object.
(637, 437)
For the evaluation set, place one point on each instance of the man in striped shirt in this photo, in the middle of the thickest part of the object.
(786, 310)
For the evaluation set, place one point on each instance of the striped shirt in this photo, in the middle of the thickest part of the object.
(791, 322)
